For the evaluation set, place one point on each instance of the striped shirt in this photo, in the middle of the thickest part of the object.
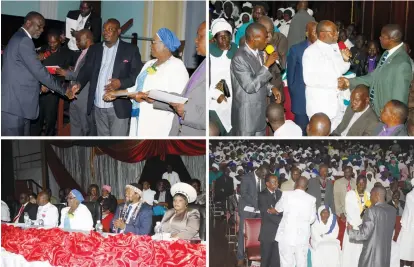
(105, 74)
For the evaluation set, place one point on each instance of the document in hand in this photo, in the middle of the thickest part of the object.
(70, 24)
(166, 97)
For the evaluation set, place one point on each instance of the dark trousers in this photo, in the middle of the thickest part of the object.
(48, 109)
(302, 121)
(269, 252)
(12, 125)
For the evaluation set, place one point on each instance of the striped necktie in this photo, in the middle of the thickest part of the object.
(383, 59)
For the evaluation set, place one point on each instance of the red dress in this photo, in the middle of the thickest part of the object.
(106, 222)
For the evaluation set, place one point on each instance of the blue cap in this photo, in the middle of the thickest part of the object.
(77, 195)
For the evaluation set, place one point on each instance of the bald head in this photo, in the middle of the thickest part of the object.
(394, 32)
(267, 23)
(302, 183)
(378, 194)
(275, 113)
(302, 5)
(311, 31)
(84, 39)
(254, 30)
(319, 125)
(327, 32)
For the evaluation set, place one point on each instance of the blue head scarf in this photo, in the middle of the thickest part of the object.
(169, 39)
(77, 195)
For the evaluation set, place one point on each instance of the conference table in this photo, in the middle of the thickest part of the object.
(45, 247)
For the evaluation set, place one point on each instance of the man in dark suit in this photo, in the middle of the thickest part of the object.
(359, 118)
(296, 85)
(21, 74)
(224, 187)
(81, 124)
(26, 206)
(111, 65)
(322, 189)
(269, 248)
(250, 78)
(299, 23)
(86, 19)
(376, 231)
(251, 184)
(393, 118)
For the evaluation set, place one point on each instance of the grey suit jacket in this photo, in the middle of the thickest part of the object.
(376, 233)
(249, 195)
(315, 191)
(363, 126)
(22, 74)
(297, 28)
(194, 123)
(251, 86)
(400, 131)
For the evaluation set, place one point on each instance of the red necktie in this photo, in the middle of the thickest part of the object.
(19, 214)
(348, 188)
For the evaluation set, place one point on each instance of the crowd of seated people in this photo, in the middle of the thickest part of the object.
(251, 177)
(293, 76)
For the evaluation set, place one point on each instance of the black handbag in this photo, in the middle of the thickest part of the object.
(226, 90)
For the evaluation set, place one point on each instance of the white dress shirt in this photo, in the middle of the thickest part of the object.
(172, 177)
(49, 213)
(322, 66)
(81, 24)
(5, 212)
(299, 212)
(392, 50)
(148, 196)
(354, 118)
(82, 219)
(289, 128)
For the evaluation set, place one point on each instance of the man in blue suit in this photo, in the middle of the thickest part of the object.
(22, 75)
(295, 81)
(135, 215)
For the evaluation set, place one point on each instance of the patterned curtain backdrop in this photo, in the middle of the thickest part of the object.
(88, 168)
(196, 167)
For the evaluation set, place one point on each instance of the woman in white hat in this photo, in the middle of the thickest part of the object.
(222, 51)
(182, 222)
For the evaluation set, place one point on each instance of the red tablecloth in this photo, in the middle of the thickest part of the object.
(77, 249)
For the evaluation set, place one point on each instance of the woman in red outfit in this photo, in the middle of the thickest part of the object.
(107, 217)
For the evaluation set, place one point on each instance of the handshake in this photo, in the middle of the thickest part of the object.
(343, 83)
(71, 91)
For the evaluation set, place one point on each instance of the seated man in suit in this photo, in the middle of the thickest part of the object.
(111, 65)
(250, 78)
(269, 247)
(134, 216)
(359, 119)
(85, 18)
(393, 117)
(26, 206)
(22, 74)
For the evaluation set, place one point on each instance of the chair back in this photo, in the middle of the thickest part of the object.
(96, 210)
(251, 232)
(60, 206)
(202, 210)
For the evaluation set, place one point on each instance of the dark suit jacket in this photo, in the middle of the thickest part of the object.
(296, 85)
(168, 198)
(400, 131)
(270, 222)
(94, 23)
(251, 86)
(141, 225)
(224, 188)
(249, 194)
(126, 68)
(22, 74)
(315, 191)
(30, 208)
(363, 126)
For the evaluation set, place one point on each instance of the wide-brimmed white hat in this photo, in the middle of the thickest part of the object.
(185, 189)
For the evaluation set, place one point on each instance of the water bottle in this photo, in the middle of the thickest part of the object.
(26, 219)
(99, 227)
(158, 230)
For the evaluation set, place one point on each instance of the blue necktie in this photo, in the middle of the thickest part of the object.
(372, 92)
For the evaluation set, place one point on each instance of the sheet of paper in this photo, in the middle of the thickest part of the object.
(70, 24)
(249, 209)
(223, 111)
(166, 97)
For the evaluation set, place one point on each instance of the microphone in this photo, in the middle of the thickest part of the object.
(269, 50)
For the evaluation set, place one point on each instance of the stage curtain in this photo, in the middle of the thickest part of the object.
(62, 176)
(196, 166)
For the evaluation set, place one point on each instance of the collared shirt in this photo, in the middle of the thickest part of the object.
(172, 177)
(289, 128)
(258, 181)
(131, 208)
(392, 50)
(81, 25)
(105, 74)
(354, 118)
(82, 55)
(28, 34)
(387, 131)
(255, 53)
(49, 214)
